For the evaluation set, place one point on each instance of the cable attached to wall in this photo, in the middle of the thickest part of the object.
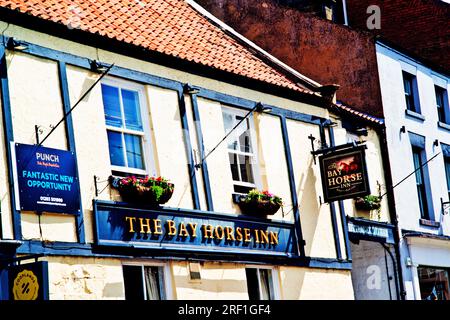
(409, 175)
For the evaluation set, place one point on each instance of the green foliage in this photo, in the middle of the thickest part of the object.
(157, 192)
(258, 196)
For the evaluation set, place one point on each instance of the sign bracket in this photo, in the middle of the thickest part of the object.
(350, 145)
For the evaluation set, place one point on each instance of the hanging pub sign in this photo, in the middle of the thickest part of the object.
(28, 281)
(46, 180)
(344, 174)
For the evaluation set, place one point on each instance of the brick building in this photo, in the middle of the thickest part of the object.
(422, 27)
(310, 44)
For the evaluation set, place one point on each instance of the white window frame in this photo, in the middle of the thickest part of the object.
(147, 150)
(414, 91)
(166, 275)
(445, 107)
(275, 279)
(255, 165)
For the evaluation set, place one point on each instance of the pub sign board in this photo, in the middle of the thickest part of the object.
(28, 281)
(344, 174)
(47, 180)
(118, 224)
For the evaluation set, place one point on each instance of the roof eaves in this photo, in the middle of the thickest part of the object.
(359, 114)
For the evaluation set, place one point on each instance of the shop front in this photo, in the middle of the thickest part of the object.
(375, 269)
(428, 265)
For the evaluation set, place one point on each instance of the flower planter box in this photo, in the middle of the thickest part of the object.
(366, 204)
(145, 195)
(259, 208)
(145, 191)
(257, 203)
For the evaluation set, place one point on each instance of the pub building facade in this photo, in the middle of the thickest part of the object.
(92, 108)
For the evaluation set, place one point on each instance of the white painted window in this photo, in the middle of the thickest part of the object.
(411, 92)
(262, 283)
(442, 104)
(146, 282)
(126, 119)
(242, 150)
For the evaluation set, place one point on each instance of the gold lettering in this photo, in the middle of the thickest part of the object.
(183, 231)
(331, 182)
(144, 225)
(208, 231)
(131, 220)
(246, 235)
(193, 229)
(359, 176)
(171, 228)
(264, 236)
(216, 231)
(229, 232)
(157, 229)
(273, 237)
(239, 234)
(256, 235)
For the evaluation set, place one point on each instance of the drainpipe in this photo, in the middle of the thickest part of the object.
(391, 204)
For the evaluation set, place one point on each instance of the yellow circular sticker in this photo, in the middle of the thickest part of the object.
(25, 286)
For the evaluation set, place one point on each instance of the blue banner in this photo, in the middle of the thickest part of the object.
(166, 229)
(47, 180)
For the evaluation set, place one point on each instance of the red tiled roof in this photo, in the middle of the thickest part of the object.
(359, 114)
(170, 27)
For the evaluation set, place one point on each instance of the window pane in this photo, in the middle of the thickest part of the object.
(447, 172)
(265, 285)
(440, 103)
(115, 148)
(245, 164)
(153, 283)
(417, 164)
(132, 110)
(439, 96)
(252, 284)
(229, 123)
(434, 284)
(244, 136)
(234, 166)
(111, 105)
(134, 151)
(408, 84)
(132, 276)
(421, 191)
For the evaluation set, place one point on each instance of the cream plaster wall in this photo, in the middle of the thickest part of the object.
(73, 278)
(218, 165)
(99, 278)
(219, 281)
(5, 202)
(272, 161)
(170, 153)
(315, 284)
(315, 217)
